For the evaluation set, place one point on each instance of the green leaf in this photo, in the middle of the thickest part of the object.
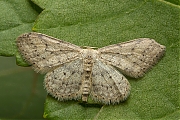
(16, 18)
(104, 22)
(69, 110)
(177, 2)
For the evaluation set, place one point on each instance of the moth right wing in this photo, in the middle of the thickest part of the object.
(133, 58)
(45, 53)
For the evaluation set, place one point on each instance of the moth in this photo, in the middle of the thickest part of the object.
(76, 73)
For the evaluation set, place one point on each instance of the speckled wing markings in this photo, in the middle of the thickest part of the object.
(133, 58)
(76, 73)
(64, 83)
(108, 85)
(45, 53)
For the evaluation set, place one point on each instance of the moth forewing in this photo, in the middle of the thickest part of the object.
(134, 58)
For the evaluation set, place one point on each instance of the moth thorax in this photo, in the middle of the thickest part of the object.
(89, 54)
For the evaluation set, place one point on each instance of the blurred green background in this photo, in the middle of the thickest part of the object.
(21, 91)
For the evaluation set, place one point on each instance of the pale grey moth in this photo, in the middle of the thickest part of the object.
(76, 73)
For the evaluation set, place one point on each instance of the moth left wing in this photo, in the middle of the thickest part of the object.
(45, 53)
(133, 58)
